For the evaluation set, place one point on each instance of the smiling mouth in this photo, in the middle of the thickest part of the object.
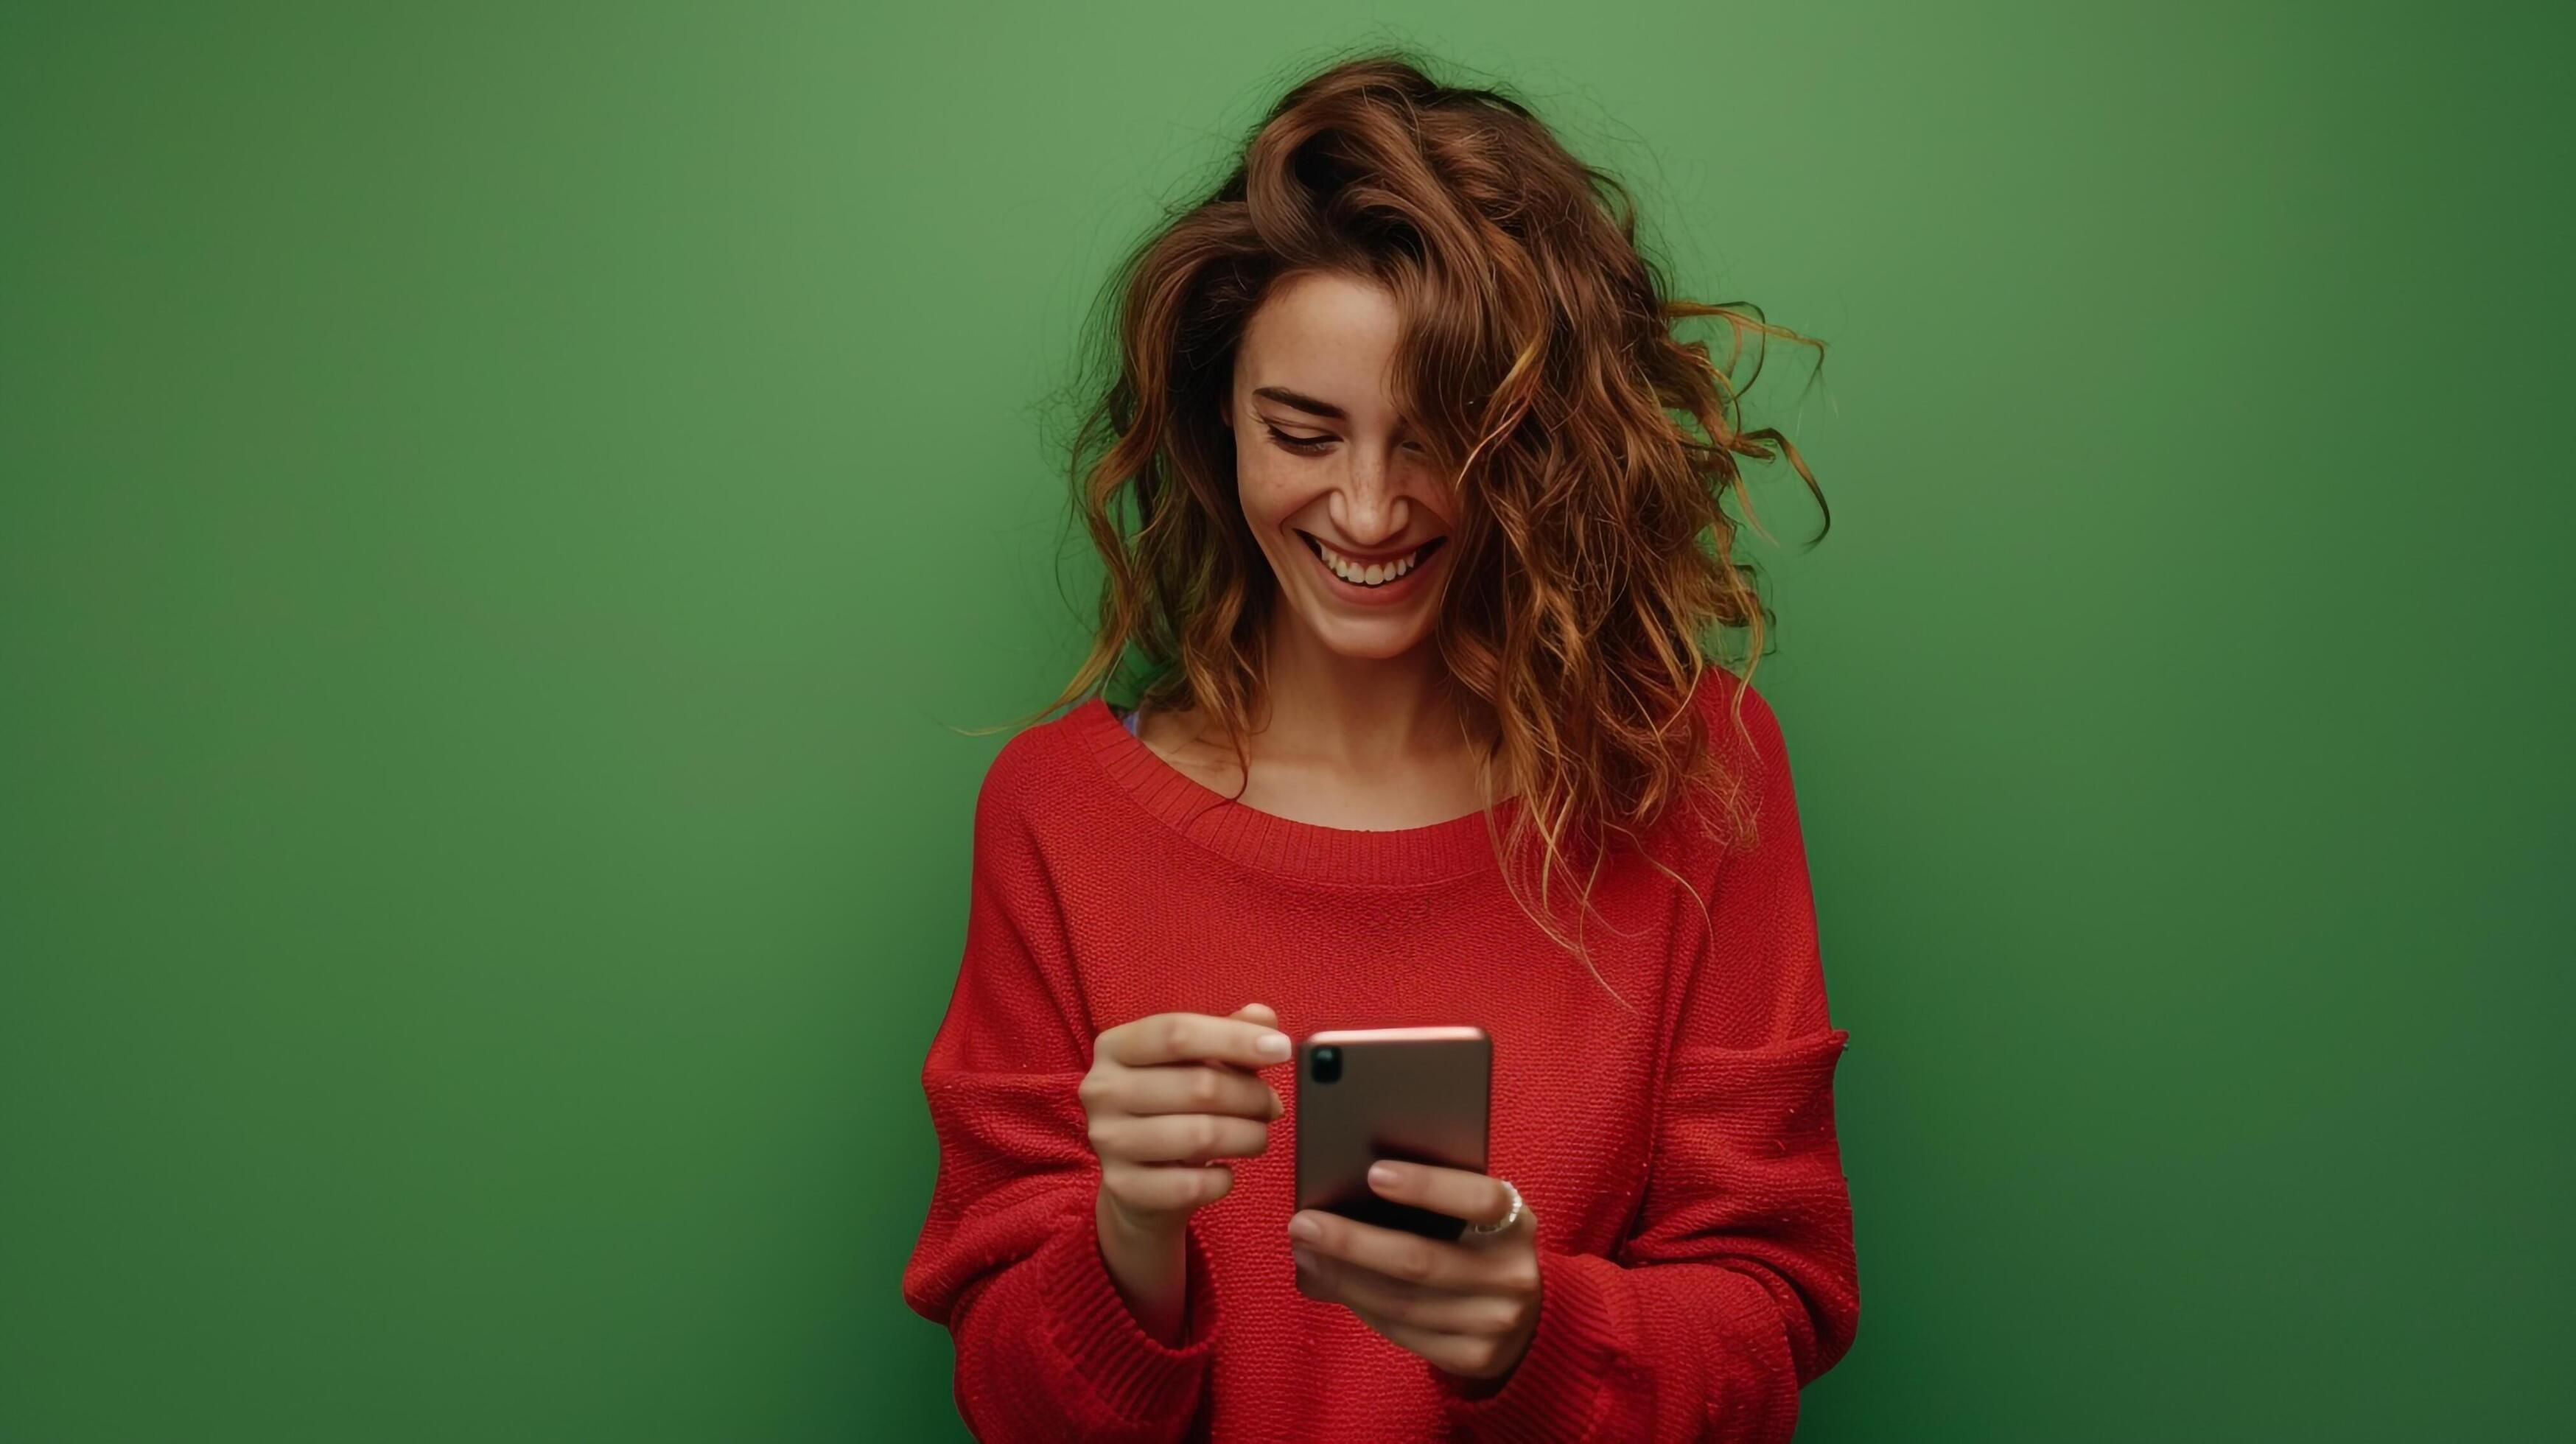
(1377, 573)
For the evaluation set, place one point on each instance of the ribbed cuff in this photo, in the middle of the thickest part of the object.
(1136, 1376)
(1555, 1390)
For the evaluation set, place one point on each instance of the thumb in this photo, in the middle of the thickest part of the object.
(1260, 1014)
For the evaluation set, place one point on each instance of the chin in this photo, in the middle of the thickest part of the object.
(1369, 643)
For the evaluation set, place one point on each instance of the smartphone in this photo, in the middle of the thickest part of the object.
(1422, 1095)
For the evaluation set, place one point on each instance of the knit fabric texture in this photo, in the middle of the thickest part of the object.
(1693, 1221)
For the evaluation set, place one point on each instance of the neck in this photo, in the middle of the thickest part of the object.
(1362, 711)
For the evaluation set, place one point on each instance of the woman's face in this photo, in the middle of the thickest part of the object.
(1340, 493)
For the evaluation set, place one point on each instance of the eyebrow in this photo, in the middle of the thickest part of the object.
(1287, 397)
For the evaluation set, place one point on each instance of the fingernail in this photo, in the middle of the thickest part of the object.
(1384, 1175)
(1273, 1045)
(1304, 1229)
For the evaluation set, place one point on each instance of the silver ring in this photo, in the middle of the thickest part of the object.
(1508, 1219)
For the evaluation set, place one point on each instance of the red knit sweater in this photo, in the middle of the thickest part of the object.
(1696, 1259)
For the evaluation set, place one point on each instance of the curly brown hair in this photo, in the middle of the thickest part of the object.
(1592, 557)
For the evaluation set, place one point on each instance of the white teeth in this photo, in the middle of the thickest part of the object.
(1372, 574)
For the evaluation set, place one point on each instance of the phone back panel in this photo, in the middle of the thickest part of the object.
(1423, 1095)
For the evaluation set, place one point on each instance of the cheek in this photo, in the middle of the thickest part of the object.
(1265, 494)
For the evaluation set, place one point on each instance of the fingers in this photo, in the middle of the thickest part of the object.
(1177, 1137)
(1473, 1356)
(1474, 1197)
(1367, 1292)
(1408, 1257)
(1164, 1191)
(1194, 1038)
(1184, 1088)
(1168, 1095)
(1472, 1335)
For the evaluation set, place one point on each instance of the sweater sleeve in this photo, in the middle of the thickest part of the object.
(1009, 1257)
(1737, 1283)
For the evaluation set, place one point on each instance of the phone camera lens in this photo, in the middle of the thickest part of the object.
(1328, 1065)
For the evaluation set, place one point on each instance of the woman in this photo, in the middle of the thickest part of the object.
(1393, 507)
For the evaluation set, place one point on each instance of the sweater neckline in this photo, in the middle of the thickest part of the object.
(1270, 843)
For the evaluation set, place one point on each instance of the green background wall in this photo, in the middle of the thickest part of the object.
(500, 505)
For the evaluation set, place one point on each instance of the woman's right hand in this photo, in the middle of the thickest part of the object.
(1167, 1095)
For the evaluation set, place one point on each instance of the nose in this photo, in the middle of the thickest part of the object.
(1368, 507)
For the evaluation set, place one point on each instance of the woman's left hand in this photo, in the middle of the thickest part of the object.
(1468, 1307)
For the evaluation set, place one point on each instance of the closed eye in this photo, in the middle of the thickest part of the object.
(1304, 445)
(1309, 445)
